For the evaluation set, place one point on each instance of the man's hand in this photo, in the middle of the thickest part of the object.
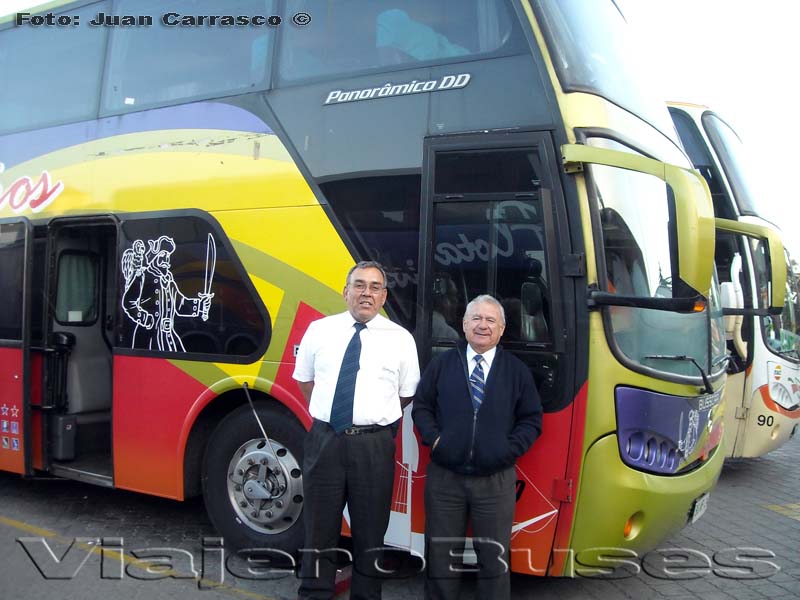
(306, 387)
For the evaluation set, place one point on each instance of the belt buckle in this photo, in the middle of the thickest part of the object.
(351, 430)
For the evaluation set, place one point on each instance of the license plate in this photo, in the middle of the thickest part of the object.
(700, 506)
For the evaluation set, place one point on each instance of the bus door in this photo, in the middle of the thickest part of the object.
(81, 278)
(762, 390)
(736, 285)
(16, 249)
(488, 225)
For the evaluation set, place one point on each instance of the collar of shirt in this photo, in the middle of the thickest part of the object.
(346, 321)
(488, 357)
(388, 367)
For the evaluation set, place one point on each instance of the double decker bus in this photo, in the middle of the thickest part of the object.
(763, 389)
(181, 195)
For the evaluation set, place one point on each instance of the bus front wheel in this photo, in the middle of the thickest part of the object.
(253, 490)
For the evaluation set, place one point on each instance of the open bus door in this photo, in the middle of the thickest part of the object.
(764, 254)
(16, 248)
(79, 318)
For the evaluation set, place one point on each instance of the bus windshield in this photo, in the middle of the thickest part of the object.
(639, 262)
(736, 163)
(593, 52)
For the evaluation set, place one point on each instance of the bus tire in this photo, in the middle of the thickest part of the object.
(253, 500)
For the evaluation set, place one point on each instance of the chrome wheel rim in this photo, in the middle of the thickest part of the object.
(266, 493)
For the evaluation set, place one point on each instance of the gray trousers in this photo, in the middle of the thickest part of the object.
(358, 470)
(451, 501)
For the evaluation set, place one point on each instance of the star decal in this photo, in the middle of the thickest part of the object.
(4, 410)
(14, 412)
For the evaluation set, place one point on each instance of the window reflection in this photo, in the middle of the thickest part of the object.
(494, 246)
(351, 36)
(64, 61)
(635, 221)
(737, 163)
(635, 215)
(159, 64)
(380, 217)
(782, 332)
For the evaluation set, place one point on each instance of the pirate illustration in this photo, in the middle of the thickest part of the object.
(152, 299)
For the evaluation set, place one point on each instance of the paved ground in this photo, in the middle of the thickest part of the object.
(746, 546)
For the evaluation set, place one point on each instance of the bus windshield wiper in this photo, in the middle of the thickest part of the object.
(684, 358)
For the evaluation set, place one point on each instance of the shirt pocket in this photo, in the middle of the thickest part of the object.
(382, 371)
(390, 375)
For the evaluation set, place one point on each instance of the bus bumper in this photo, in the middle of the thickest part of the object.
(630, 512)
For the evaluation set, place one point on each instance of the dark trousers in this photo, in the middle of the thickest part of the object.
(487, 502)
(358, 470)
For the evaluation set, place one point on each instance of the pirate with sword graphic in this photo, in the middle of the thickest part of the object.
(152, 299)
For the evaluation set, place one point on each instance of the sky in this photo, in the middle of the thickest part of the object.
(734, 56)
(737, 57)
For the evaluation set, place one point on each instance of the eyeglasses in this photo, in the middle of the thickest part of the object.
(478, 318)
(361, 286)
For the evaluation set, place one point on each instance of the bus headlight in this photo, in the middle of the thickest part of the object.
(659, 433)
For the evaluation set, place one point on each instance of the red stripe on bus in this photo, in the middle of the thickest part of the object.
(566, 515)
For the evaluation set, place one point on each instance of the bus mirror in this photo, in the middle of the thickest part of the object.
(777, 268)
(694, 209)
(681, 305)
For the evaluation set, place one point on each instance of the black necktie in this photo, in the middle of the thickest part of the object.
(342, 407)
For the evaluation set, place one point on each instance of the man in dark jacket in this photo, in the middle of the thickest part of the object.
(478, 409)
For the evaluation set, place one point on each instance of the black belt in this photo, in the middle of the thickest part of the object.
(359, 429)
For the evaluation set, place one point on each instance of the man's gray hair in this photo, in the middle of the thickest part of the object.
(489, 300)
(367, 264)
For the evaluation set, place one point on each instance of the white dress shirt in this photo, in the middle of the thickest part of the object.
(488, 357)
(388, 367)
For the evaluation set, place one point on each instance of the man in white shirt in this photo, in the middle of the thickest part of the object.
(357, 370)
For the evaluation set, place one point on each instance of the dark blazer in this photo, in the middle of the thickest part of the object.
(477, 442)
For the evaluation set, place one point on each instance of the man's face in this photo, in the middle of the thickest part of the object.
(365, 293)
(483, 326)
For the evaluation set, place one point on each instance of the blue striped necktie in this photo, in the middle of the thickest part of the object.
(476, 382)
(342, 407)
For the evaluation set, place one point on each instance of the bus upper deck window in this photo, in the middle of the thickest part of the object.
(161, 64)
(358, 37)
(395, 29)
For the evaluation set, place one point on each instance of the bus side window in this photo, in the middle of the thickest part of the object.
(183, 291)
(359, 36)
(486, 247)
(535, 301)
(77, 295)
(397, 31)
(12, 256)
(51, 75)
(445, 320)
(162, 64)
(490, 235)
